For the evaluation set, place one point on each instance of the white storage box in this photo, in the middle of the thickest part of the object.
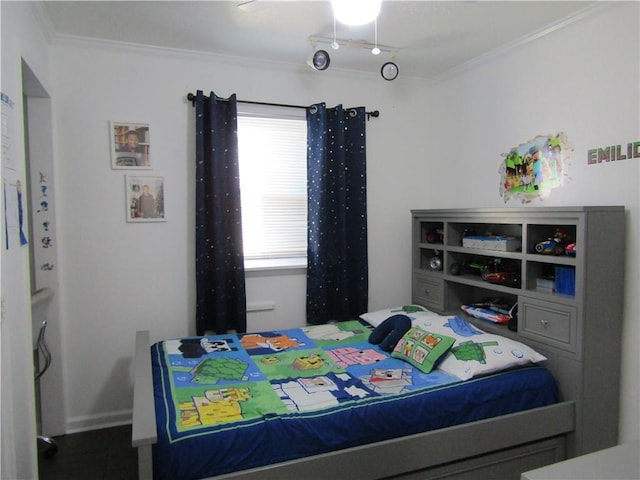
(497, 243)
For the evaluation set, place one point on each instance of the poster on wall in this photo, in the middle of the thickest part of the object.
(7, 133)
(534, 168)
(13, 215)
(145, 198)
(130, 145)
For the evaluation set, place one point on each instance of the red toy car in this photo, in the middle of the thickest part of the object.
(507, 278)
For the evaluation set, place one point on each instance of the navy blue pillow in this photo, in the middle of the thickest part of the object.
(390, 331)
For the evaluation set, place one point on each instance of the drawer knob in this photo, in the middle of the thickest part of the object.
(426, 292)
(544, 323)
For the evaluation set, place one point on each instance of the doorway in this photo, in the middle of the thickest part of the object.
(38, 132)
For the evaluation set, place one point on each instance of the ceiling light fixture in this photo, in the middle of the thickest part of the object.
(356, 12)
(353, 12)
(320, 58)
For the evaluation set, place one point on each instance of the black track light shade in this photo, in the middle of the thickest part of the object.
(389, 71)
(320, 60)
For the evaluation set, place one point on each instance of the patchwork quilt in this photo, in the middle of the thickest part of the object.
(231, 378)
(230, 402)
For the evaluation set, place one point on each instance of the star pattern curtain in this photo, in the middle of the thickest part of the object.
(220, 279)
(337, 269)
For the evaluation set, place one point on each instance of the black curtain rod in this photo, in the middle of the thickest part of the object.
(192, 98)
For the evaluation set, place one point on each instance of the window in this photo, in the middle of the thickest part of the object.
(272, 150)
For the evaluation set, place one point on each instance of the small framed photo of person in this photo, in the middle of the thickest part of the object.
(145, 198)
(130, 145)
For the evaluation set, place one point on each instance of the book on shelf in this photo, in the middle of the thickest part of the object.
(545, 284)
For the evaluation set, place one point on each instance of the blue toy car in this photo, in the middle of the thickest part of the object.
(554, 245)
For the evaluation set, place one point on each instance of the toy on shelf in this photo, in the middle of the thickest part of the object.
(491, 270)
(435, 235)
(435, 262)
(555, 245)
(494, 310)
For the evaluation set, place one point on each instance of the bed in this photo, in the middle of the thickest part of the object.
(341, 407)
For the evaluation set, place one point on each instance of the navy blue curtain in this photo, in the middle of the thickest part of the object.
(337, 269)
(220, 280)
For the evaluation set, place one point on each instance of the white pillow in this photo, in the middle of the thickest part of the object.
(476, 352)
(412, 311)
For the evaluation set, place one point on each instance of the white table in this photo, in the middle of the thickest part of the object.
(617, 463)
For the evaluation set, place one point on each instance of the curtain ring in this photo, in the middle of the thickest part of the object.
(353, 113)
(313, 109)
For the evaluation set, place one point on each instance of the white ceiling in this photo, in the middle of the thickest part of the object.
(429, 38)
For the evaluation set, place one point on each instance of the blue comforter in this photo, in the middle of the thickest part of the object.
(232, 402)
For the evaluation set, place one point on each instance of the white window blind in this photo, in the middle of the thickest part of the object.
(272, 149)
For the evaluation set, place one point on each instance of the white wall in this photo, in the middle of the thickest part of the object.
(583, 80)
(119, 277)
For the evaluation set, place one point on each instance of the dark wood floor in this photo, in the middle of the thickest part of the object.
(97, 455)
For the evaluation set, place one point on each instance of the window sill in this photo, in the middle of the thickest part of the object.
(275, 264)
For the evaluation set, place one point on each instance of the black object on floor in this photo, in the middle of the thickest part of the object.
(98, 455)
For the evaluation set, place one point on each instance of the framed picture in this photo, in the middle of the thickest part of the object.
(144, 198)
(130, 145)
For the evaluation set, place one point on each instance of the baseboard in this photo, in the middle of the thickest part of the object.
(97, 422)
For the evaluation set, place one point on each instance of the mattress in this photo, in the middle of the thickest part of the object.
(226, 403)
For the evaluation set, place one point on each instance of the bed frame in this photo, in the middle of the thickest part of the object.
(579, 335)
(500, 447)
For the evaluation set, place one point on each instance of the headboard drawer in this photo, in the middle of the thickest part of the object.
(549, 323)
(428, 291)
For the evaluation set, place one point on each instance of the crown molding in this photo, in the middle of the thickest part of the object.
(42, 18)
(578, 16)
